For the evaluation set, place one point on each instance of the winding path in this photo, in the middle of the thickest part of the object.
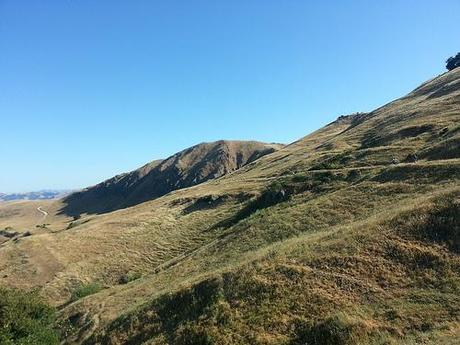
(45, 214)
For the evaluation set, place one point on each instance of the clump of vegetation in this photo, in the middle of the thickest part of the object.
(205, 202)
(440, 224)
(299, 178)
(337, 329)
(453, 62)
(8, 233)
(411, 158)
(337, 161)
(129, 277)
(85, 290)
(353, 175)
(273, 194)
(446, 149)
(26, 319)
(376, 138)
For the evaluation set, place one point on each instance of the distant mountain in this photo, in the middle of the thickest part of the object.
(187, 168)
(39, 195)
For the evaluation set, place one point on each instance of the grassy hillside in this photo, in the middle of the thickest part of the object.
(347, 236)
(22, 216)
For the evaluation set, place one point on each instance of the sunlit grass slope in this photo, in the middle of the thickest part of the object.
(347, 236)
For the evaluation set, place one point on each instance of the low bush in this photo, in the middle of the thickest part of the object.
(26, 319)
(85, 290)
(129, 277)
(337, 161)
(273, 194)
(336, 330)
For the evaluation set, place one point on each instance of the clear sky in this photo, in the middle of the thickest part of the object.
(89, 89)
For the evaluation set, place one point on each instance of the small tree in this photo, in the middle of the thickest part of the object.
(453, 62)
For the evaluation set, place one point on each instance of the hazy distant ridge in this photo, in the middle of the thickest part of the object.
(39, 195)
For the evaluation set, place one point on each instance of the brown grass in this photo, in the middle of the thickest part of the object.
(359, 251)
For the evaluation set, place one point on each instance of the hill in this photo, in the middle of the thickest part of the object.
(184, 169)
(39, 195)
(349, 235)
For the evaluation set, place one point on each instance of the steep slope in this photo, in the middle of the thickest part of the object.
(347, 236)
(184, 169)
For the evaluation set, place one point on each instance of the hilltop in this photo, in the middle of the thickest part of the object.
(349, 235)
(187, 168)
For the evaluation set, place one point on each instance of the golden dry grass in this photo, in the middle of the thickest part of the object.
(344, 251)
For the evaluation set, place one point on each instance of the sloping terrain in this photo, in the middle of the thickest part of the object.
(350, 235)
(184, 169)
(22, 216)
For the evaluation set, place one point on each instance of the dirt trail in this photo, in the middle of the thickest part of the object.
(45, 214)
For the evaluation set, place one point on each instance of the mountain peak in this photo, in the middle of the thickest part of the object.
(186, 168)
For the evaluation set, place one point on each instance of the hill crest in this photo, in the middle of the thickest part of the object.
(189, 167)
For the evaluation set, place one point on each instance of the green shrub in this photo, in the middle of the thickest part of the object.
(336, 330)
(300, 178)
(85, 290)
(25, 319)
(129, 277)
(334, 162)
(275, 193)
(191, 334)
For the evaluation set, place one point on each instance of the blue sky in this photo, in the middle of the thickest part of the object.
(89, 89)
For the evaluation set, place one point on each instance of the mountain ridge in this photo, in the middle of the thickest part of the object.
(45, 194)
(186, 168)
